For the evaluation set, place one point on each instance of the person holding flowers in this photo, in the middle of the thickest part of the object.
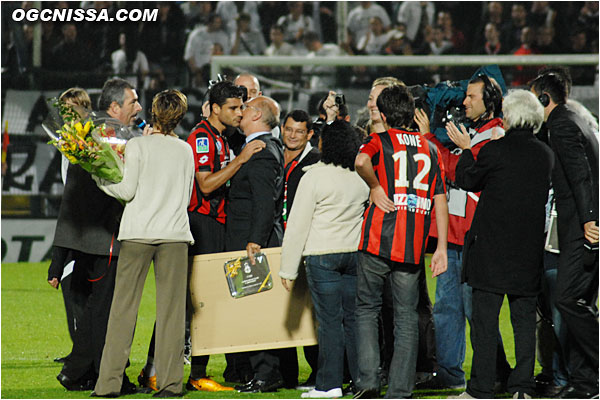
(87, 224)
(157, 186)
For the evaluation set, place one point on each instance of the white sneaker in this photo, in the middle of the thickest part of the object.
(463, 395)
(321, 394)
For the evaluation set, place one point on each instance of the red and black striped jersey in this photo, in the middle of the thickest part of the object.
(211, 154)
(410, 170)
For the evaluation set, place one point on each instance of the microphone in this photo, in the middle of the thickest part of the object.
(140, 123)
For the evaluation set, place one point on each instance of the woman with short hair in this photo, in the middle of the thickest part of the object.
(157, 185)
(324, 226)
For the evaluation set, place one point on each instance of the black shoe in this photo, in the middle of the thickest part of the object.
(258, 385)
(367, 394)
(436, 383)
(310, 383)
(127, 387)
(571, 392)
(167, 394)
(60, 360)
(350, 390)
(78, 385)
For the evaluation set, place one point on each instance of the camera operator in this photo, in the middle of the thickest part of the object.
(483, 103)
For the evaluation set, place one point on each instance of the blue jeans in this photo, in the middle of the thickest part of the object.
(372, 274)
(332, 283)
(453, 304)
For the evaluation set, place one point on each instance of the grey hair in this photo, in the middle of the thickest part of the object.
(522, 110)
(584, 113)
(113, 90)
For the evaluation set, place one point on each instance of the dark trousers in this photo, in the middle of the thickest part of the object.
(484, 339)
(426, 358)
(576, 293)
(92, 287)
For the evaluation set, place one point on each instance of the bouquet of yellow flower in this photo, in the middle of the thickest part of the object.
(98, 145)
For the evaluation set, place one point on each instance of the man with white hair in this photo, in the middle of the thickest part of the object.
(504, 247)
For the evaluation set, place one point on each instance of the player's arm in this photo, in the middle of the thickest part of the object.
(439, 261)
(211, 181)
(364, 168)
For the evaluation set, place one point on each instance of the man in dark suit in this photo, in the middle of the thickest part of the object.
(575, 182)
(88, 224)
(254, 214)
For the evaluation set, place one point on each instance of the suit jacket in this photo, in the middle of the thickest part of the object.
(88, 219)
(575, 176)
(254, 207)
(504, 247)
(310, 157)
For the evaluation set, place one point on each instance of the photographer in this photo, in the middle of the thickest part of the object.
(330, 108)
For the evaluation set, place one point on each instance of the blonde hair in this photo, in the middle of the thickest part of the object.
(79, 99)
(168, 109)
(387, 81)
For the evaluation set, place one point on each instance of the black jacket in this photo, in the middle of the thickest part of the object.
(575, 176)
(312, 157)
(256, 199)
(88, 219)
(504, 247)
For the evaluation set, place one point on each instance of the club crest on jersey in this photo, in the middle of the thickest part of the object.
(202, 145)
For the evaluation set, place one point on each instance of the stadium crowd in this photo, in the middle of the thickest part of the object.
(368, 203)
(177, 48)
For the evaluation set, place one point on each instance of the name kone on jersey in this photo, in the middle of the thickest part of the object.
(409, 140)
(412, 203)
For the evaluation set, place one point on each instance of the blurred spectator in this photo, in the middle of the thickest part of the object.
(545, 43)
(323, 77)
(71, 54)
(581, 74)
(359, 19)
(246, 40)
(128, 59)
(163, 42)
(50, 39)
(100, 37)
(374, 39)
(269, 13)
(444, 20)
(198, 47)
(440, 44)
(196, 12)
(521, 74)
(541, 14)
(493, 13)
(278, 46)
(588, 18)
(416, 15)
(492, 45)
(295, 24)
(230, 10)
(511, 31)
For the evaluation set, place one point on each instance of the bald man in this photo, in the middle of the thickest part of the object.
(254, 214)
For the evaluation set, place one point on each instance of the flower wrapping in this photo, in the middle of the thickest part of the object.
(95, 143)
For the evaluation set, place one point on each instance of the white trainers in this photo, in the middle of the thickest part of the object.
(321, 394)
(463, 395)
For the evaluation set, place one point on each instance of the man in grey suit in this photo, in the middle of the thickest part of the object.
(88, 224)
(254, 215)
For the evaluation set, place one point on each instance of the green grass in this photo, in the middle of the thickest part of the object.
(34, 332)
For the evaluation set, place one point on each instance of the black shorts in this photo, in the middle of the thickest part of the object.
(209, 235)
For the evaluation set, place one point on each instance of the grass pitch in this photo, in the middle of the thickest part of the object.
(34, 332)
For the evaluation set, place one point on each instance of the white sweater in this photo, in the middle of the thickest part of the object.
(157, 185)
(327, 215)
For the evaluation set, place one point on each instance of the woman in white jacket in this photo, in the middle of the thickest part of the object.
(324, 227)
(157, 185)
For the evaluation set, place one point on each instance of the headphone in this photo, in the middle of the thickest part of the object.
(544, 98)
(492, 97)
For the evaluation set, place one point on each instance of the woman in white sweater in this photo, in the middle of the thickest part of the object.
(324, 227)
(157, 184)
